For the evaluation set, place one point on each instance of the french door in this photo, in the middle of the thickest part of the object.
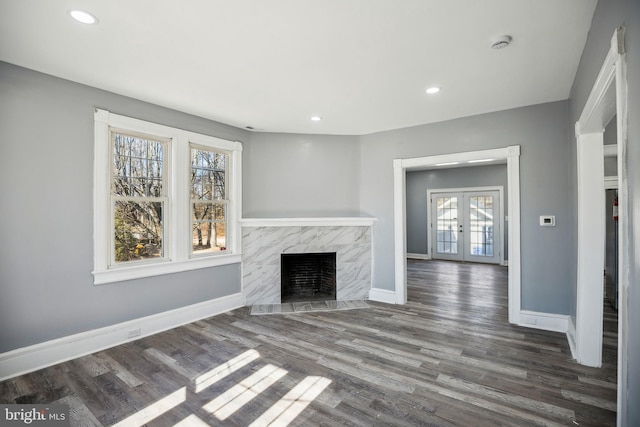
(465, 226)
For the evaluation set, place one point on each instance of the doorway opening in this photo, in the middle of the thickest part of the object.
(509, 155)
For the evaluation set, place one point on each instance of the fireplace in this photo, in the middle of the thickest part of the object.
(308, 277)
(264, 240)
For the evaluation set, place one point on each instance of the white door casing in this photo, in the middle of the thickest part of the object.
(512, 156)
(608, 98)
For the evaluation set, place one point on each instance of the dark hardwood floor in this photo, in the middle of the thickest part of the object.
(447, 358)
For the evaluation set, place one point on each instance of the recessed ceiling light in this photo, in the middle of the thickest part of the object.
(316, 118)
(84, 17)
(433, 90)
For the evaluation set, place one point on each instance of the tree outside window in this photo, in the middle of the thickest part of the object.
(208, 200)
(138, 197)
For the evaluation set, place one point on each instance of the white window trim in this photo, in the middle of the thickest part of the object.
(177, 219)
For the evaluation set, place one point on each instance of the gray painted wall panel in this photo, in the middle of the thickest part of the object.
(608, 16)
(46, 232)
(541, 131)
(290, 175)
(418, 182)
(610, 137)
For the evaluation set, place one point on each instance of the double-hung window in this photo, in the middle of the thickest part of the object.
(138, 197)
(166, 200)
(208, 200)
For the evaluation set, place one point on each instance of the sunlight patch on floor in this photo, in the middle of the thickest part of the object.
(154, 410)
(192, 421)
(240, 394)
(293, 403)
(211, 377)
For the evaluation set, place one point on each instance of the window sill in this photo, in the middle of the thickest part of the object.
(121, 274)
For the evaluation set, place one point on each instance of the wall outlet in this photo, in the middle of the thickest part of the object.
(547, 220)
(134, 333)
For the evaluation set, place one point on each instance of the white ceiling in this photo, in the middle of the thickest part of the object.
(363, 65)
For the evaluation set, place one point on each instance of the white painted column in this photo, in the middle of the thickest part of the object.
(513, 179)
(400, 227)
(591, 211)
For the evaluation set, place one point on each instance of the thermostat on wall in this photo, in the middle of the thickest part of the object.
(547, 220)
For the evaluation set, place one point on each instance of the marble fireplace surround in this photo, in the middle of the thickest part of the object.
(265, 239)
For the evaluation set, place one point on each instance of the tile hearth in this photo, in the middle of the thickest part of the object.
(305, 307)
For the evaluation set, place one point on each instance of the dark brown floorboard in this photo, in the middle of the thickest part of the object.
(447, 358)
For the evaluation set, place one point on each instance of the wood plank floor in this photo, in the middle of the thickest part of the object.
(447, 358)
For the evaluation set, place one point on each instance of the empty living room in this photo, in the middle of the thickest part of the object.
(297, 213)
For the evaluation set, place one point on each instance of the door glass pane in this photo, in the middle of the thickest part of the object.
(481, 225)
(447, 225)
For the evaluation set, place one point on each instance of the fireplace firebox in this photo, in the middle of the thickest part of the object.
(308, 277)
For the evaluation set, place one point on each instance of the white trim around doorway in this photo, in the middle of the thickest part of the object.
(512, 156)
(608, 98)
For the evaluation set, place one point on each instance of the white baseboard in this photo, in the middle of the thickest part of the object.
(425, 257)
(382, 295)
(38, 356)
(571, 337)
(544, 321)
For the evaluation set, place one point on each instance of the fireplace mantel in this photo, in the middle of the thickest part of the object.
(351, 221)
(264, 240)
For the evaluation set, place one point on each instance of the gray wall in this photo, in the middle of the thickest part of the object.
(541, 131)
(46, 232)
(418, 182)
(609, 15)
(311, 175)
(46, 131)
(610, 137)
(289, 175)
